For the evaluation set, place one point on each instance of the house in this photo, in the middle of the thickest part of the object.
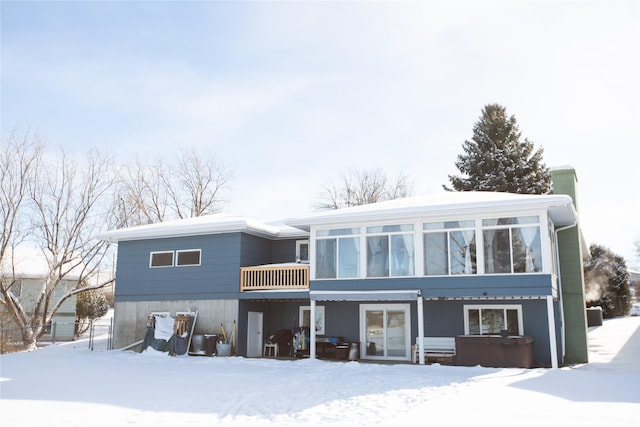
(28, 268)
(468, 266)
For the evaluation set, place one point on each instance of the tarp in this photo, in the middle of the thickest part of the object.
(174, 345)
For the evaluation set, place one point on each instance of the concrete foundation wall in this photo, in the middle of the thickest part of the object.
(131, 317)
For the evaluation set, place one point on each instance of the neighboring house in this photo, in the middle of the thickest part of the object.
(28, 267)
(454, 264)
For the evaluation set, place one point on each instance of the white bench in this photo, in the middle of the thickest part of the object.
(435, 347)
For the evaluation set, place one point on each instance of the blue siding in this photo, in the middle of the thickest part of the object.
(254, 251)
(446, 319)
(218, 276)
(449, 287)
(284, 251)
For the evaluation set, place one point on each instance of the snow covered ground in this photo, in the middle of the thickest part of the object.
(66, 384)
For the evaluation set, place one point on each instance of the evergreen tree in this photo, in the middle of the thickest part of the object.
(497, 160)
(91, 305)
(607, 282)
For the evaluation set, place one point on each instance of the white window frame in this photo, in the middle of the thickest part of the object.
(299, 244)
(505, 307)
(447, 232)
(151, 254)
(364, 247)
(511, 229)
(319, 323)
(363, 308)
(544, 222)
(178, 252)
(336, 237)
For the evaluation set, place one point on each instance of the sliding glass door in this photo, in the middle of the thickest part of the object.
(385, 331)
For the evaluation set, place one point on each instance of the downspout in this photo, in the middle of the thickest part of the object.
(420, 344)
(312, 329)
(553, 346)
(557, 256)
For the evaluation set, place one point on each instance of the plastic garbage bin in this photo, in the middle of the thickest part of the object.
(594, 316)
(354, 351)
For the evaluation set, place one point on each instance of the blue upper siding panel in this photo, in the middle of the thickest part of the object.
(217, 277)
(449, 287)
(254, 251)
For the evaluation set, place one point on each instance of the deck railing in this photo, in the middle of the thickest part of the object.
(274, 277)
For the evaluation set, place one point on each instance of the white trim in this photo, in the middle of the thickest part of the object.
(496, 298)
(418, 242)
(406, 308)
(481, 307)
(188, 250)
(312, 331)
(445, 205)
(420, 342)
(386, 295)
(206, 224)
(319, 317)
(152, 253)
(477, 226)
(299, 243)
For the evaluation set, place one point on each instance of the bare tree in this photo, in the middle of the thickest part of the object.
(19, 159)
(144, 200)
(192, 186)
(361, 187)
(203, 180)
(60, 204)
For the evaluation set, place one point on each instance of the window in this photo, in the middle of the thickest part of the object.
(161, 259)
(492, 319)
(305, 318)
(188, 257)
(390, 251)
(449, 248)
(512, 245)
(183, 258)
(302, 251)
(338, 253)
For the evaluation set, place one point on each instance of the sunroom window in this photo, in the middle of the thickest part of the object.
(390, 251)
(492, 319)
(449, 248)
(338, 253)
(512, 245)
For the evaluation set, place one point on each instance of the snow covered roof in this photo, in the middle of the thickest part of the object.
(559, 206)
(30, 263)
(207, 224)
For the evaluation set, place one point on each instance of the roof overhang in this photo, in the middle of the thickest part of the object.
(559, 206)
(394, 295)
(207, 224)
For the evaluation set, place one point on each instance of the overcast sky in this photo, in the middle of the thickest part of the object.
(290, 94)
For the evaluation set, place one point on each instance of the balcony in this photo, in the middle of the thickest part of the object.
(280, 276)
